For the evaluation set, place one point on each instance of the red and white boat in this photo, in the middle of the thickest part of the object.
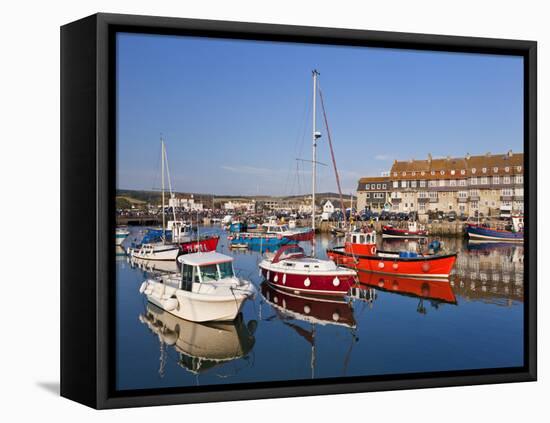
(291, 270)
(412, 230)
(360, 253)
(284, 231)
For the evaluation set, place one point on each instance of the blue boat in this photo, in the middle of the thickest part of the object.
(482, 233)
(256, 240)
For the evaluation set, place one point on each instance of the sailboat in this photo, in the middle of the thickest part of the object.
(290, 269)
(162, 250)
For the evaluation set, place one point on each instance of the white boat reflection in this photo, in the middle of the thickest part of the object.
(200, 346)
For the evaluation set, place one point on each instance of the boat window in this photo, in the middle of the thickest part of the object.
(186, 277)
(362, 239)
(209, 272)
(226, 270)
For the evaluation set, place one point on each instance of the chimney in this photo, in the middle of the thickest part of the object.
(510, 154)
(429, 157)
(488, 153)
(468, 156)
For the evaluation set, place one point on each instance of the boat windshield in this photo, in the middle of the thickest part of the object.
(226, 270)
(209, 272)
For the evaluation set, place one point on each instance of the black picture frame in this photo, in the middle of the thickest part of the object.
(88, 192)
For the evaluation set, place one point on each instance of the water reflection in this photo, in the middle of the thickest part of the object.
(422, 325)
(200, 347)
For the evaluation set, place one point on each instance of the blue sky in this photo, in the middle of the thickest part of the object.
(235, 115)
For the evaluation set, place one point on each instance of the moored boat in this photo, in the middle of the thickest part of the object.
(496, 232)
(257, 240)
(360, 253)
(412, 230)
(205, 290)
(291, 270)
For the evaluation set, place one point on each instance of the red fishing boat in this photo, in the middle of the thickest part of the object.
(360, 253)
(412, 230)
(290, 269)
(202, 244)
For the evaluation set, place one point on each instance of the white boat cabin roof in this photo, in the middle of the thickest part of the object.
(203, 259)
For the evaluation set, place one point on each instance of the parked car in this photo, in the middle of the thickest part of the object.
(451, 216)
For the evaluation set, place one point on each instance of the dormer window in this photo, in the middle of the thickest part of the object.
(413, 173)
(394, 173)
(433, 172)
(452, 172)
(474, 170)
(404, 173)
(442, 172)
(495, 169)
(484, 170)
(422, 173)
(507, 169)
(463, 172)
(519, 168)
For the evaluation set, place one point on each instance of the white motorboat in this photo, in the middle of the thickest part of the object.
(206, 290)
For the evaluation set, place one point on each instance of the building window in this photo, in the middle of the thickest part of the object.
(377, 186)
(518, 192)
(484, 180)
(506, 192)
(505, 179)
(462, 182)
(413, 173)
(422, 194)
(422, 184)
(413, 184)
(507, 169)
(474, 204)
(442, 172)
(462, 194)
(473, 181)
(404, 173)
(432, 183)
(474, 170)
(495, 169)
(403, 184)
(496, 179)
(519, 179)
(452, 183)
(463, 172)
(433, 172)
(422, 207)
(368, 194)
(474, 193)
(442, 182)
(433, 195)
(484, 170)
(423, 173)
(383, 186)
(396, 184)
(519, 168)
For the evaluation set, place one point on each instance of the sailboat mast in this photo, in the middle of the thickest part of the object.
(162, 186)
(314, 159)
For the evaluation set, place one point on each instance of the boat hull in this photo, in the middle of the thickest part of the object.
(432, 267)
(202, 245)
(167, 254)
(487, 234)
(306, 235)
(309, 284)
(390, 232)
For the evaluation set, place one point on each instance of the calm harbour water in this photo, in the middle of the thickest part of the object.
(389, 326)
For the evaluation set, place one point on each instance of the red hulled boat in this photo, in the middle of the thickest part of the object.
(360, 253)
(203, 244)
(412, 230)
(291, 270)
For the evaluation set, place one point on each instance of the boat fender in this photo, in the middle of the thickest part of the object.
(307, 309)
(373, 250)
(170, 304)
(426, 267)
(336, 281)
(143, 287)
(307, 282)
(381, 265)
(276, 278)
(284, 278)
(335, 316)
(395, 266)
(267, 275)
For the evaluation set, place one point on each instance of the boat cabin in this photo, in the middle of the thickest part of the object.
(197, 268)
(361, 237)
(277, 229)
